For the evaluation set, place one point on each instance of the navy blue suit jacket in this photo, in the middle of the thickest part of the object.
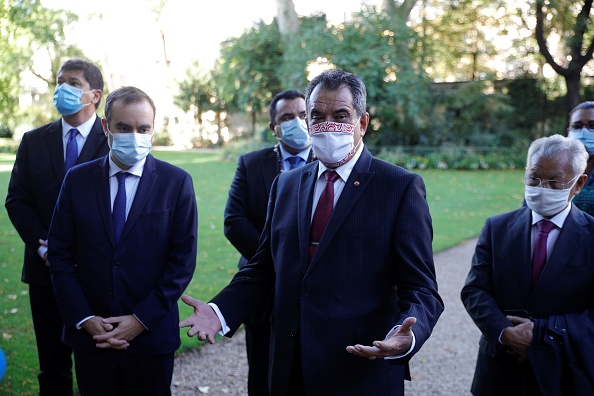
(34, 187)
(145, 274)
(372, 269)
(500, 280)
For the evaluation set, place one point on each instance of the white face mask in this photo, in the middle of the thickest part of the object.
(130, 148)
(333, 142)
(546, 201)
(585, 136)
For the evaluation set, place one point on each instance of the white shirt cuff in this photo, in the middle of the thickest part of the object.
(224, 328)
(412, 345)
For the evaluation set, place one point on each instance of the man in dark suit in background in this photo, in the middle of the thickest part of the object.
(367, 275)
(122, 248)
(245, 213)
(529, 289)
(41, 163)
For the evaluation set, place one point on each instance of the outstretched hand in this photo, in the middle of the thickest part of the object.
(397, 342)
(203, 322)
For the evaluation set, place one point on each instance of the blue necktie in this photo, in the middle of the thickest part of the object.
(118, 215)
(295, 162)
(71, 150)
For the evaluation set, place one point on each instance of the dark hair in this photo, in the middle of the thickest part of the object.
(127, 95)
(332, 80)
(90, 71)
(290, 94)
(582, 106)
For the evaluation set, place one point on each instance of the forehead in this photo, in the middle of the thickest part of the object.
(293, 106)
(583, 115)
(136, 113)
(550, 167)
(324, 100)
(72, 75)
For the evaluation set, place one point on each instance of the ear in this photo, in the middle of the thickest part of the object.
(104, 125)
(579, 184)
(364, 123)
(273, 129)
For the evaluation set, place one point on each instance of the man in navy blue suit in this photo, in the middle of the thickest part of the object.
(41, 163)
(346, 252)
(529, 289)
(245, 213)
(122, 249)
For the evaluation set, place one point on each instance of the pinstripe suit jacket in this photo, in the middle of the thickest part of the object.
(373, 268)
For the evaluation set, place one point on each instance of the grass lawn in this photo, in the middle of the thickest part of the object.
(459, 202)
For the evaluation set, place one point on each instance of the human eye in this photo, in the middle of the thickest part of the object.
(578, 125)
(590, 125)
(556, 184)
(532, 181)
(302, 115)
(287, 117)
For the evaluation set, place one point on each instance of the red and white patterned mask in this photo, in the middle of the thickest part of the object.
(333, 142)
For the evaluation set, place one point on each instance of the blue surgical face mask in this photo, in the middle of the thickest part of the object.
(130, 148)
(67, 99)
(585, 136)
(294, 133)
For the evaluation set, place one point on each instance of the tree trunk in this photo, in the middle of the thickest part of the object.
(573, 82)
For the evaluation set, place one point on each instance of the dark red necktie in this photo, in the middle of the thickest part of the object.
(539, 258)
(322, 213)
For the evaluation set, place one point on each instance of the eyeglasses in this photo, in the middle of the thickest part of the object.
(578, 125)
(554, 184)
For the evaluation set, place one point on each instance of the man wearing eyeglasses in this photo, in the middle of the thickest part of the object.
(581, 127)
(530, 287)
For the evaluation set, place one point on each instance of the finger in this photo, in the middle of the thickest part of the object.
(189, 322)
(103, 345)
(188, 300)
(407, 324)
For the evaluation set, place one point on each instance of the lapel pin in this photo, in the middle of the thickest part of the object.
(356, 183)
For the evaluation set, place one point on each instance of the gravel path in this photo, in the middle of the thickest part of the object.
(443, 367)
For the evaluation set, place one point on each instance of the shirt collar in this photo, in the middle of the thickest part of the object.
(84, 129)
(558, 219)
(136, 170)
(303, 153)
(344, 170)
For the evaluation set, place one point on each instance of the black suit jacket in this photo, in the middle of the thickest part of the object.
(34, 187)
(500, 280)
(245, 212)
(372, 269)
(144, 274)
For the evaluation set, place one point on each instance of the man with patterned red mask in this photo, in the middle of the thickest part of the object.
(346, 250)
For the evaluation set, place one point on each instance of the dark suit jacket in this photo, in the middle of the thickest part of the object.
(245, 212)
(500, 280)
(145, 274)
(34, 187)
(373, 268)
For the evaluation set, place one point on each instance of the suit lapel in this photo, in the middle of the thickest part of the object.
(55, 146)
(269, 169)
(354, 187)
(101, 182)
(94, 140)
(571, 236)
(518, 255)
(145, 187)
(306, 186)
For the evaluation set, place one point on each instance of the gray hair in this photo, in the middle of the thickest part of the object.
(332, 80)
(552, 146)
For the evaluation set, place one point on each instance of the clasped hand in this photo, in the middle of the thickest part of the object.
(519, 336)
(115, 332)
(203, 322)
(397, 342)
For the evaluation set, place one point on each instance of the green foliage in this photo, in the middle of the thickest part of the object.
(453, 157)
(27, 27)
